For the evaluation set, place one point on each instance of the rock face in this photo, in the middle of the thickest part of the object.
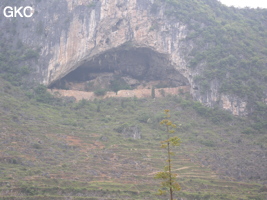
(122, 36)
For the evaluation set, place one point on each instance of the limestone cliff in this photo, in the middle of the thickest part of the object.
(71, 34)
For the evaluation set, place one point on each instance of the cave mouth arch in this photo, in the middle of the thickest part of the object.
(130, 67)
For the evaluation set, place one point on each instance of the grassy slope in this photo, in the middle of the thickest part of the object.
(58, 151)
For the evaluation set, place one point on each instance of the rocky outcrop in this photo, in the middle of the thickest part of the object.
(234, 104)
(70, 34)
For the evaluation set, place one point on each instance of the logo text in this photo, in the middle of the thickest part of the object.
(20, 11)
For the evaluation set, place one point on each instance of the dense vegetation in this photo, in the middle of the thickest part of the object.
(10, 68)
(230, 41)
(232, 45)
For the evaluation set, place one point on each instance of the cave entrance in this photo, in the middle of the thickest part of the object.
(123, 68)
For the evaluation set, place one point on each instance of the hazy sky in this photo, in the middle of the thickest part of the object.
(246, 3)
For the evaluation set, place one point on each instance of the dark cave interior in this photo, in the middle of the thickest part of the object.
(135, 66)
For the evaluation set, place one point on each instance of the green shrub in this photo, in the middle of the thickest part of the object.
(119, 84)
(36, 146)
(31, 54)
(185, 103)
(81, 104)
(100, 92)
(248, 130)
(89, 86)
(261, 127)
(120, 128)
(143, 117)
(216, 115)
(162, 92)
(208, 143)
(158, 117)
(29, 190)
(42, 95)
(153, 92)
(105, 119)
(98, 109)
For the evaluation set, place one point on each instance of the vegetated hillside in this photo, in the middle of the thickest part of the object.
(109, 149)
(230, 42)
(230, 49)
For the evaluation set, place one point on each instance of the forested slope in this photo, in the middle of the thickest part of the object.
(230, 48)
